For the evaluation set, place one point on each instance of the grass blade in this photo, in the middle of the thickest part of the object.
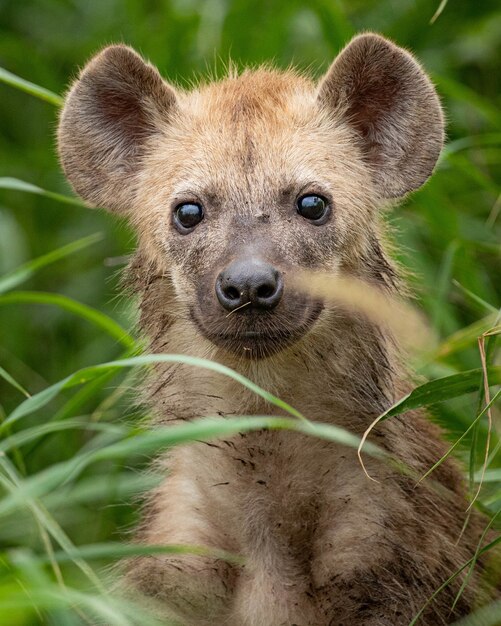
(439, 11)
(442, 389)
(26, 271)
(29, 434)
(463, 338)
(458, 441)
(433, 392)
(155, 440)
(20, 185)
(46, 521)
(7, 377)
(429, 393)
(115, 550)
(474, 298)
(28, 87)
(102, 321)
(87, 374)
(474, 559)
(91, 608)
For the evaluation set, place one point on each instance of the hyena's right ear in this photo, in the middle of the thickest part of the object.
(116, 104)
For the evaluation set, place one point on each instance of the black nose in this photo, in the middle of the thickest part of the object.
(249, 280)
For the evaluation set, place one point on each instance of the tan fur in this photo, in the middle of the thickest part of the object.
(323, 545)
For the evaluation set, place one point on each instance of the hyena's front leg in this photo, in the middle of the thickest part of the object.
(191, 590)
(194, 589)
(268, 597)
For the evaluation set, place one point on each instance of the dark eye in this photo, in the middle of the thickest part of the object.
(187, 216)
(313, 208)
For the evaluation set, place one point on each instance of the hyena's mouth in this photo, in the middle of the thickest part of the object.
(250, 308)
(257, 335)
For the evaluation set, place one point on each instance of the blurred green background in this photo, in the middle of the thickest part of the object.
(448, 233)
(445, 228)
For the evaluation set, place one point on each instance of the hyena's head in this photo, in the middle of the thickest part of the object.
(238, 185)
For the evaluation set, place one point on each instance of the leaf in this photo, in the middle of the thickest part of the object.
(103, 608)
(116, 488)
(429, 393)
(20, 185)
(216, 427)
(433, 392)
(84, 311)
(491, 476)
(463, 338)
(458, 441)
(154, 440)
(34, 90)
(439, 11)
(13, 484)
(87, 374)
(6, 376)
(442, 389)
(24, 272)
(119, 551)
(29, 434)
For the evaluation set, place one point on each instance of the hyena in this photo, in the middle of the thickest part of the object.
(233, 188)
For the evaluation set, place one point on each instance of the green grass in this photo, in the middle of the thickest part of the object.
(71, 464)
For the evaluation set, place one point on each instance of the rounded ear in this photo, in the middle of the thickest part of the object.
(115, 105)
(382, 92)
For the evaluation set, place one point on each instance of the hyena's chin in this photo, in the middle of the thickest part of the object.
(258, 334)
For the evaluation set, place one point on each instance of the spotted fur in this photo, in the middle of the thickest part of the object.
(323, 545)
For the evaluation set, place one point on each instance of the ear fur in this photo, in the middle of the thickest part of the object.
(111, 109)
(382, 92)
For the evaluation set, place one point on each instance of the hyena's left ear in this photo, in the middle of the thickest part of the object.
(115, 106)
(382, 92)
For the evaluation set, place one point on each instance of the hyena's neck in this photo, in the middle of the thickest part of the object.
(346, 377)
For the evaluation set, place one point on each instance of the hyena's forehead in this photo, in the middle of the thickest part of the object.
(254, 95)
(262, 130)
(250, 124)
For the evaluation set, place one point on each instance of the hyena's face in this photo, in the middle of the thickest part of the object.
(248, 186)
(237, 187)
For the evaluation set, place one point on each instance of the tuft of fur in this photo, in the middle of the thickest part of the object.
(323, 545)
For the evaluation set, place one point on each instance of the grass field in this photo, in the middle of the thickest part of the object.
(72, 450)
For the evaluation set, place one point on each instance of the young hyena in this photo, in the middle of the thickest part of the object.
(233, 188)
